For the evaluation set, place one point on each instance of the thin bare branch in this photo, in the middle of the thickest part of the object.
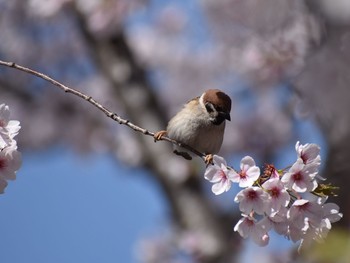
(106, 111)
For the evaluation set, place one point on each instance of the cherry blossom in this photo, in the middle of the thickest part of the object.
(305, 219)
(295, 233)
(252, 199)
(10, 161)
(331, 212)
(311, 220)
(309, 152)
(248, 226)
(220, 175)
(8, 128)
(279, 196)
(249, 173)
(4, 115)
(10, 158)
(300, 178)
(304, 210)
(277, 221)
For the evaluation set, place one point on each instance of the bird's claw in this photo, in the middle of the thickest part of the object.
(158, 135)
(208, 159)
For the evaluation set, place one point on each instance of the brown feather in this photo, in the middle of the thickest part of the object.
(218, 98)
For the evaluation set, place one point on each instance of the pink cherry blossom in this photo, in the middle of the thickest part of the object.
(279, 196)
(318, 230)
(4, 115)
(269, 197)
(304, 212)
(8, 128)
(220, 175)
(248, 226)
(13, 128)
(252, 199)
(10, 162)
(309, 152)
(317, 233)
(311, 220)
(249, 172)
(331, 211)
(300, 178)
(10, 158)
(295, 233)
(278, 221)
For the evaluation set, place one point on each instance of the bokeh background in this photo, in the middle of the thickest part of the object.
(90, 190)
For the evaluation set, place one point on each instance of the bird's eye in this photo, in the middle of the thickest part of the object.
(209, 107)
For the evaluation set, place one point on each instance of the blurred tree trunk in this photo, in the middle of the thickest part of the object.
(324, 85)
(189, 206)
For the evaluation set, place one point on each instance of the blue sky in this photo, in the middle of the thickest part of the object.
(64, 208)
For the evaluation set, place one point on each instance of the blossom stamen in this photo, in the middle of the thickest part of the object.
(251, 195)
(297, 177)
(274, 192)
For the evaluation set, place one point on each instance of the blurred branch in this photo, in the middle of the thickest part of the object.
(106, 111)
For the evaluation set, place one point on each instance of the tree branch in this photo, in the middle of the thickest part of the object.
(106, 111)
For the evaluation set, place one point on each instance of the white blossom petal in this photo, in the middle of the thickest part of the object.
(219, 174)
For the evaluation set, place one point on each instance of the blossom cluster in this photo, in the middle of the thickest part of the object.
(290, 201)
(10, 158)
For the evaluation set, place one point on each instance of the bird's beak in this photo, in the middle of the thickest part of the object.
(227, 116)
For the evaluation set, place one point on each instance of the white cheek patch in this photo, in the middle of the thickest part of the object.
(202, 105)
(201, 101)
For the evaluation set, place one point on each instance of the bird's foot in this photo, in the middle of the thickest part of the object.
(158, 135)
(208, 159)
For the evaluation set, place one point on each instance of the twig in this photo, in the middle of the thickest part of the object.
(106, 111)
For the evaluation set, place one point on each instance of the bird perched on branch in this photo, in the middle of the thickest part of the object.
(200, 124)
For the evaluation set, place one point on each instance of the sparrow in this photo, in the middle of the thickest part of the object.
(200, 124)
